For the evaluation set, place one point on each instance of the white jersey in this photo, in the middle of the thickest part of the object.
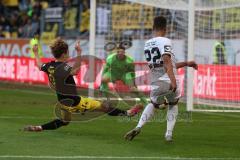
(154, 49)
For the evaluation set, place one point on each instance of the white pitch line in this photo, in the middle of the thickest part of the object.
(109, 157)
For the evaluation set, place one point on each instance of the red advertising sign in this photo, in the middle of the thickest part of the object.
(210, 81)
(217, 82)
(21, 70)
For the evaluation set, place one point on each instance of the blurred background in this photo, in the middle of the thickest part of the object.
(129, 20)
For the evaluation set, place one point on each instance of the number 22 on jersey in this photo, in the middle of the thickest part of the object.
(153, 55)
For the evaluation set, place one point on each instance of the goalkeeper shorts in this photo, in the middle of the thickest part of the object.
(127, 78)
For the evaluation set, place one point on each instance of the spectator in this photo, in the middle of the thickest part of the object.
(219, 51)
(4, 23)
(66, 5)
(55, 3)
(37, 8)
(23, 19)
(14, 21)
(27, 29)
(36, 41)
(35, 24)
(2, 9)
(24, 5)
(1, 34)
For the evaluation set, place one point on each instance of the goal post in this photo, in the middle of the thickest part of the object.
(190, 53)
(92, 46)
(195, 27)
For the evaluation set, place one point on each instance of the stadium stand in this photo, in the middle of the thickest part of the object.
(21, 19)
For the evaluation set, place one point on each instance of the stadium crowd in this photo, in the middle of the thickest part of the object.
(22, 18)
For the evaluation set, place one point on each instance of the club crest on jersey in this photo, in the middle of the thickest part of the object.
(66, 68)
(167, 48)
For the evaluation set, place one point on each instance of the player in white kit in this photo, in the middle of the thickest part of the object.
(164, 84)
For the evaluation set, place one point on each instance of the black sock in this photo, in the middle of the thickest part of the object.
(117, 112)
(54, 124)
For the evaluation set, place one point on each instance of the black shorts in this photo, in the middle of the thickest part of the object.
(68, 100)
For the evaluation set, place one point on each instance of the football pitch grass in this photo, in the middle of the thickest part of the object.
(197, 135)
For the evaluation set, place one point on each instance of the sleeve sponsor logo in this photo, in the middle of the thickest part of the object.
(167, 48)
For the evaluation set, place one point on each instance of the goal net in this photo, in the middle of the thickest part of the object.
(216, 28)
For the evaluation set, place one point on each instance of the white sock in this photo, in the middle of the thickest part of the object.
(146, 115)
(171, 119)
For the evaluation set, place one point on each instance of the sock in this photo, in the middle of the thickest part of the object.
(54, 124)
(146, 115)
(116, 112)
(104, 89)
(171, 118)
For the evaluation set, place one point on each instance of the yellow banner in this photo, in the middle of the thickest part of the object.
(10, 2)
(228, 19)
(131, 16)
(48, 37)
(70, 18)
(85, 21)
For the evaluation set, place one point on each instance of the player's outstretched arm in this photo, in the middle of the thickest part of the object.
(77, 63)
(192, 64)
(38, 60)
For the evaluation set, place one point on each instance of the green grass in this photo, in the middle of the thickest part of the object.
(206, 135)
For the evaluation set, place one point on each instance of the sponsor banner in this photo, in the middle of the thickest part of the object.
(232, 22)
(21, 70)
(210, 81)
(85, 21)
(53, 13)
(21, 47)
(217, 82)
(70, 18)
(15, 47)
(126, 16)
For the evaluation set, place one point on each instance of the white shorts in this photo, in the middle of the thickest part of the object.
(160, 92)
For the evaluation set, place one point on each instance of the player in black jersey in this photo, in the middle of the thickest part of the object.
(60, 75)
